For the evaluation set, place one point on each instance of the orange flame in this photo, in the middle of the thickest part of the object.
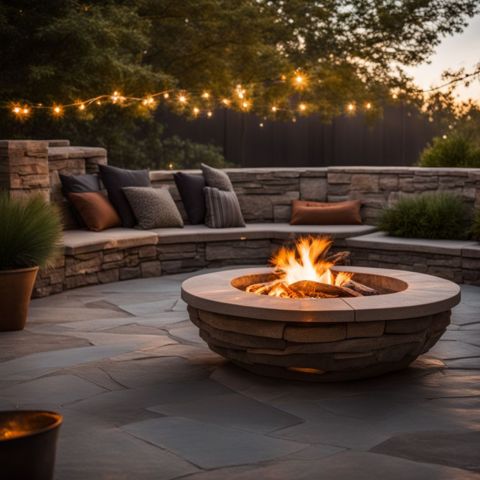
(307, 261)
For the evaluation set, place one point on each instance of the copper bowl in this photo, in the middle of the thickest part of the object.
(28, 440)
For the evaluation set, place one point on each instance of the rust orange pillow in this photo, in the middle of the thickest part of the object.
(95, 210)
(321, 213)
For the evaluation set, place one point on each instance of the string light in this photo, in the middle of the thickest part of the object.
(196, 111)
(260, 125)
(299, 80)
(149, 101)
(57, 110)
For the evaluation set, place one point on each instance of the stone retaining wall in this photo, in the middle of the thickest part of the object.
(151, 260)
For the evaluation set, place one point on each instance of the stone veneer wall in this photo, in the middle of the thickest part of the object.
(265, 195)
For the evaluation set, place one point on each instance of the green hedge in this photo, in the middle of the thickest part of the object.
(456, 150)
(439, 215)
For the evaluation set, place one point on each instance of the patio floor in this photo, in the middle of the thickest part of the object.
(144, 398)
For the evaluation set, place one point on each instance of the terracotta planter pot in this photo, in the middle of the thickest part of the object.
(28, 442)
(16, 288)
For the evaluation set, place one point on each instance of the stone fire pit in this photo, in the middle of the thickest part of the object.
(321, 339)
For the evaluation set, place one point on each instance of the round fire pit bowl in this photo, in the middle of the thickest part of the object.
(321, 339)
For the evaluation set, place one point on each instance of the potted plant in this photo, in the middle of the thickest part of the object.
(30, 229)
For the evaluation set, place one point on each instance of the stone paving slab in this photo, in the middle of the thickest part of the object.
(210, 446)
(144, 398)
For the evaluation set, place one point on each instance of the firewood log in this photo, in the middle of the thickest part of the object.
(309, 286)
(360, 288)
(337, 257)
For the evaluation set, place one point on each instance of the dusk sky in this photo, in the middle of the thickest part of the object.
(461, 50)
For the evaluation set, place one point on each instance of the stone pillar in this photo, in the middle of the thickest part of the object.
(24, 167)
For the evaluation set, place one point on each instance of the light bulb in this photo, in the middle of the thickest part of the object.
(302, 107)
(274, 109)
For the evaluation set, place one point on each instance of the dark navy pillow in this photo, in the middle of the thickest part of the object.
(115, 179)
(190, 187)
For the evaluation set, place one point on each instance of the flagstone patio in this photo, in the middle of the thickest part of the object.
(144, 398)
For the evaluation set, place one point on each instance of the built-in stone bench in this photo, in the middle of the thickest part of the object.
(457, 260)
(117, 254)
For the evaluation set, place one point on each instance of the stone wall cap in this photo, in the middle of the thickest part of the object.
(75, 152)
(382, 241)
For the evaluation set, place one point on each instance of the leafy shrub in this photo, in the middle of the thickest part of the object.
(457, 150)
(476, 225)
(431, 215)
(29, 231)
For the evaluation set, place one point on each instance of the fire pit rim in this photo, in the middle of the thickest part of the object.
(424, 295)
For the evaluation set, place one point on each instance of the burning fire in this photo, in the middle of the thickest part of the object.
(305, 271)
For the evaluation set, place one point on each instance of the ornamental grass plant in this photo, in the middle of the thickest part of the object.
(439, 215)
(30, 230)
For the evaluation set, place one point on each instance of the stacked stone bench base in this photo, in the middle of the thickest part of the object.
(319, 352)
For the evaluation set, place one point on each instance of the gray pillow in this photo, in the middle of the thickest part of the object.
(153, 207)
(223, 209)
(216, 178)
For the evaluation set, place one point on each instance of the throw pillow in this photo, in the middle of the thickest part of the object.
(320, 213)
(216, 178)
(78, 184)
(190, 188)
(95, 209)
(114, 180)
(223, 209)
(153, 207)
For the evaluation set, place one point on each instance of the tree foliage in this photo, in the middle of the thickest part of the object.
(350, 50)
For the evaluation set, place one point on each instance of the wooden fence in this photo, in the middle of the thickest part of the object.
(395, 139)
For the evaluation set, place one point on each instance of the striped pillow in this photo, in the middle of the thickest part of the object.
(223, 209)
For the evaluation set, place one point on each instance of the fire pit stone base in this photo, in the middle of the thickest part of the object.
(322, 351)
(321, 339)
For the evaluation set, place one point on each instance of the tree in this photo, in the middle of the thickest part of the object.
(317, 55)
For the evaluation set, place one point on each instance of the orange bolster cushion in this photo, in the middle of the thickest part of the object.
(320, 213)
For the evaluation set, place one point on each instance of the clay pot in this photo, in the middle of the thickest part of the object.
(16, 288)
(28, 442)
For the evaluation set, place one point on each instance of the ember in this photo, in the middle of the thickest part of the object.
(305, 272)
